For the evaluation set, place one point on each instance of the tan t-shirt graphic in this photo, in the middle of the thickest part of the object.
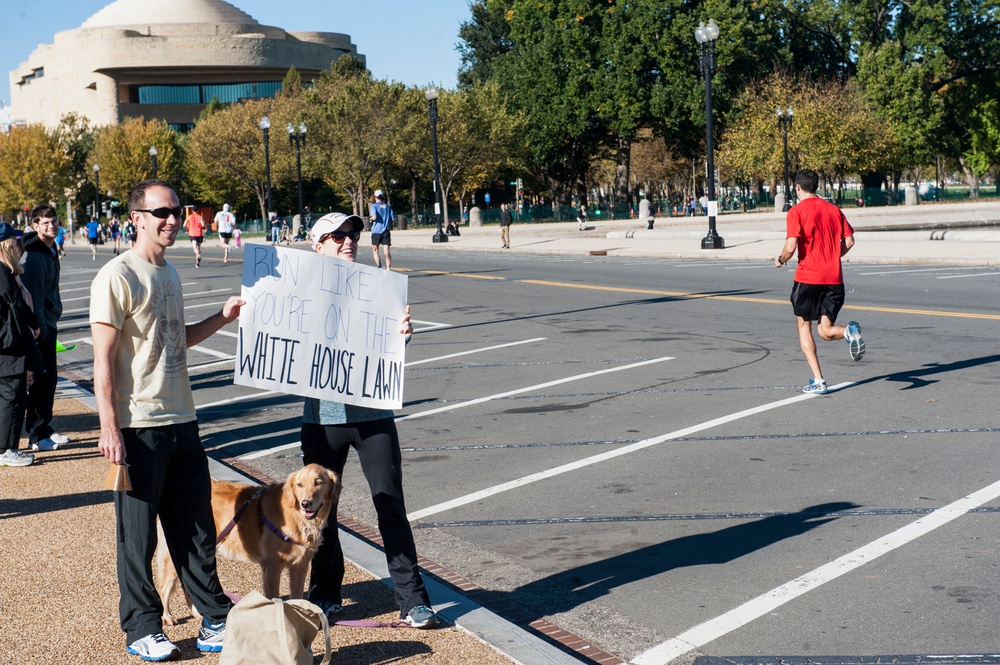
(145, 302)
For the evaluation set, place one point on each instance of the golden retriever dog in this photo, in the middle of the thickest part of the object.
(280, 528)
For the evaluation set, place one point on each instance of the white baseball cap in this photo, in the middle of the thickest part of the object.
(225, 207)
(331, 222)
(379, 193)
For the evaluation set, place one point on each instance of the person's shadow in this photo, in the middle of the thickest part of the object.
(566, 590)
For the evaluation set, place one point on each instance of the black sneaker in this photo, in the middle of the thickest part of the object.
(210, 636)
(329, 608)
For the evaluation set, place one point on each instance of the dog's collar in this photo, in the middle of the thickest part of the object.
(276, 531)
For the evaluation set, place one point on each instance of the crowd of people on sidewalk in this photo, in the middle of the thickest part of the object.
(146, 408)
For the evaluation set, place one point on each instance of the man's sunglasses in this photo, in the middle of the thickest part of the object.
(340, 236)
(164, 213)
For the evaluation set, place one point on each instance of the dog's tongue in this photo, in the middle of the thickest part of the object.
(310, 514)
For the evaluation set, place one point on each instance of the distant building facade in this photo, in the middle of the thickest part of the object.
(164, 60)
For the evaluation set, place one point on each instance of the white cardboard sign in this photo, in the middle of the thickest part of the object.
(321, 327)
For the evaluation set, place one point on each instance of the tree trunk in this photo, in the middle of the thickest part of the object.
(970, 177)
(622, 163)
(413, 197)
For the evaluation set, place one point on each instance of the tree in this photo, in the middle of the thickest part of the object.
(478, 138)
(359, 123)
(226, 151)
(122, 152)
(836, 131)
(34, 168)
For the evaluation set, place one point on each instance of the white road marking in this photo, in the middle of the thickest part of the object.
(241, 398)
(978, 274)
(84, 340)
(603, 457)
(480, 400)
(465, 353)
(430, 325)
(712, 629)
(893, 272)
(273, 451)
(212, 352)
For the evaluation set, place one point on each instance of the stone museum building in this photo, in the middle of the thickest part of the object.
(164, 60)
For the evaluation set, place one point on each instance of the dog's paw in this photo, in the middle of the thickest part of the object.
(168, 619)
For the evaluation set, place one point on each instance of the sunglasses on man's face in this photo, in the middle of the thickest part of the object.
(164, 213)
(340, 236)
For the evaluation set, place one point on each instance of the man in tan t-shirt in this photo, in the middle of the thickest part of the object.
(147, 416)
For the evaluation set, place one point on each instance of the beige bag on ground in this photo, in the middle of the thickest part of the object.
(271, 632)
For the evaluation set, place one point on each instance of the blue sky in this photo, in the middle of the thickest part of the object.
(411, 41)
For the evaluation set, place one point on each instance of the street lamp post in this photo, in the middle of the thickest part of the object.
(97, 192)
(706, 36)
(784, 122)
(439, 205)
(298, 139)
(152, 156)
(265, 125)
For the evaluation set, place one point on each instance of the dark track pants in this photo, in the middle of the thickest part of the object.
(170, 478)
(377, 444)
(12, 394)
(42, 394)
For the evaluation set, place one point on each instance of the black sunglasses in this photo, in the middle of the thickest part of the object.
(164, 213)
(340, 236)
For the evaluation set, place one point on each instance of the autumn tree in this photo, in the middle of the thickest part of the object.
(835, 131)
(478, 138)
(225, 151)
(357, 123)
(122, 153)
(34, 168)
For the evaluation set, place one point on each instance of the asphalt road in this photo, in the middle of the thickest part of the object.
(622, 446)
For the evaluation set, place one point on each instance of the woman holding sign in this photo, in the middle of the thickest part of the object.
(329, 429)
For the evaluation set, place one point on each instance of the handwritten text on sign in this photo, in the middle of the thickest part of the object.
(321, 327)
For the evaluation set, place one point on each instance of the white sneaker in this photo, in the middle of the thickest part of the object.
(61, 439)
(155, 647)
(14, 457)
(45, 444)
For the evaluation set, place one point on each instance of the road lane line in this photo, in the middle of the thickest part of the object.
(480, 400)
(978, 274)
(241, 398)
(611, 454)
(712, 629)
(769, 301)
(212, 352)
(272, 451)
(465, 353)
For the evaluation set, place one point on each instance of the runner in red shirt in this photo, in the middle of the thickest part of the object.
(821, 235)
(195, 226)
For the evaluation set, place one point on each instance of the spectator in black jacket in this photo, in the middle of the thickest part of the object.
(41, 278)
(12, 364)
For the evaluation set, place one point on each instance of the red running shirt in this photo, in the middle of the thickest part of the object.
(819, 227)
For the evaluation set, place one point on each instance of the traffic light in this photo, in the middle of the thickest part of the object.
(104, 208)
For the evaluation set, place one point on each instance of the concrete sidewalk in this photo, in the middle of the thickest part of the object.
(947, 234)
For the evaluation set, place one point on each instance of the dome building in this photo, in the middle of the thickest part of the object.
(164, 60)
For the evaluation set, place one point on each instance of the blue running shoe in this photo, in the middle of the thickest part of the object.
(816, 387)
(853, 338)
(210, 636)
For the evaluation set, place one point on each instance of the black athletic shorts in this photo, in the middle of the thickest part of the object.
(381, 239)
(811, 301)
(197, 239)
(226, 236)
